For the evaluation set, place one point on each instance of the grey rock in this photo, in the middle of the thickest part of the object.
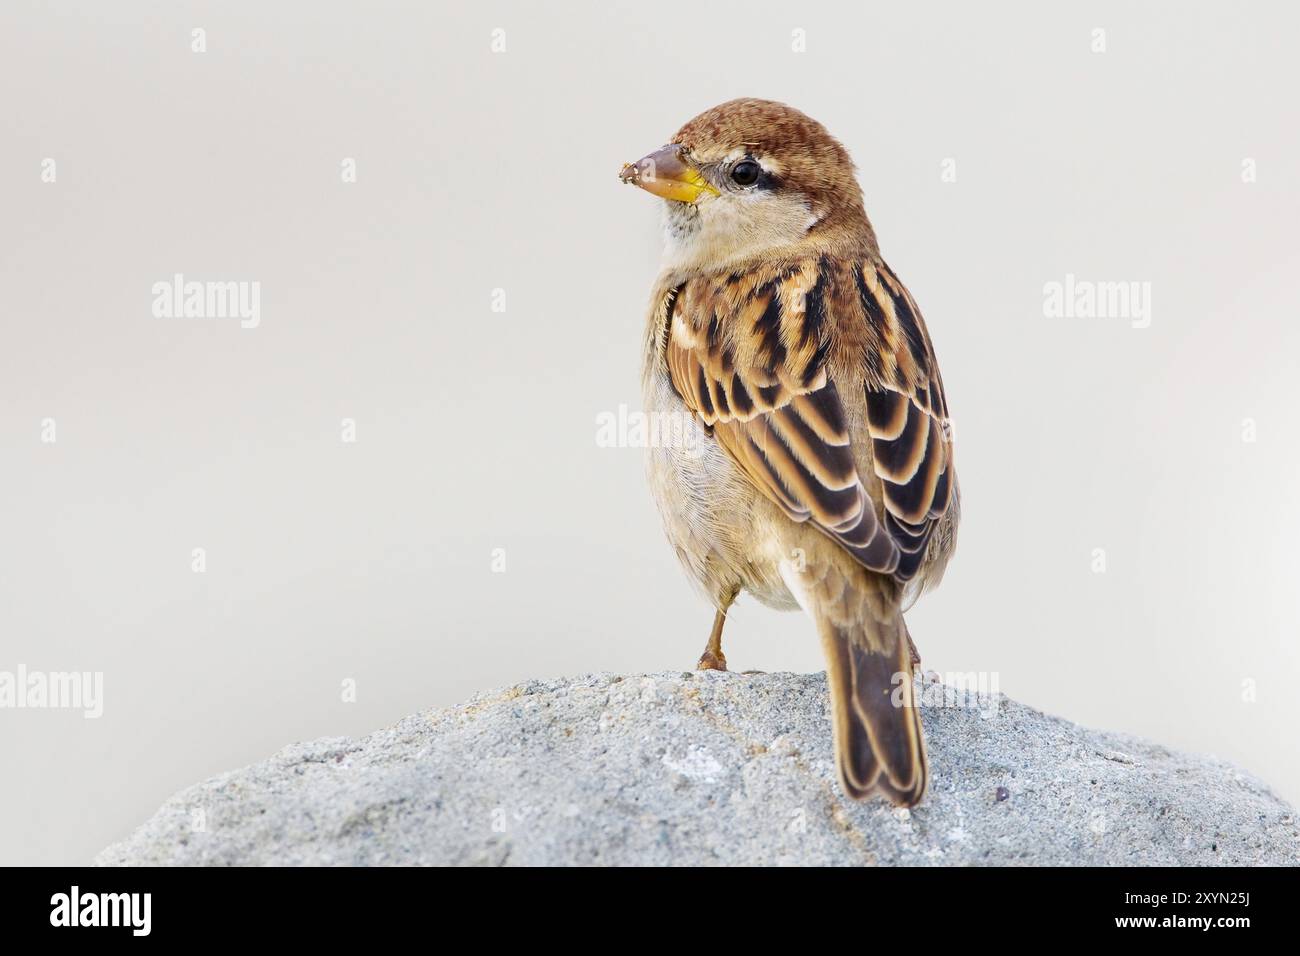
(713, 768)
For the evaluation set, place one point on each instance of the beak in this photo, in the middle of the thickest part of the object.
(665, 173)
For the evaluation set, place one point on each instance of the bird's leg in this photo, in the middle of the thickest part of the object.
(929, 678)
(911, 646)
(713, 659)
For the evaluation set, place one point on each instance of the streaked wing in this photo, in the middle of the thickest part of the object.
(760, 358)
(907, 418)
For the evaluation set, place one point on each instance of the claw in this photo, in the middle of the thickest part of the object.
(709, 661)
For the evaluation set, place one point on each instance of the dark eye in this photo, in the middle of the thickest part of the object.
(746, 172)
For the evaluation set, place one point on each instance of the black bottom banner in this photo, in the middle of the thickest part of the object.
(338, 905)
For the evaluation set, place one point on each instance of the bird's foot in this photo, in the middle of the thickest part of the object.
(712, 661)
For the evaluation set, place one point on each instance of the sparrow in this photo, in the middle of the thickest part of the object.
(815, 467)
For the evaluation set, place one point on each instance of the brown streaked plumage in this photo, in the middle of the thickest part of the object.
(821, 474)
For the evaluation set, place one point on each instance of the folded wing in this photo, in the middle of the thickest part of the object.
(759, 357)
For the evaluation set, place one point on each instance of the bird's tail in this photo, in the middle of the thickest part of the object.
(879, 745)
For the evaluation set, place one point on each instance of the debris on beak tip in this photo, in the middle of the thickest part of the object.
(629, 173)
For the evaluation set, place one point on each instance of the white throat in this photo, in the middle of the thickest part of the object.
(721, 230)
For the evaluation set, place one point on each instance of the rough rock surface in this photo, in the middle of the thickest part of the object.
(713, 768)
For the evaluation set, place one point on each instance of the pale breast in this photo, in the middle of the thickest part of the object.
(707, 505)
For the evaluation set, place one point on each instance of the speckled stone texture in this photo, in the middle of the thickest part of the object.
(713, 768)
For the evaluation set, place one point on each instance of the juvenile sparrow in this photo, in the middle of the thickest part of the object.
(816, 470)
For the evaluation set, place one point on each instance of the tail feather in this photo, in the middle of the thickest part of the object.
(879, 744)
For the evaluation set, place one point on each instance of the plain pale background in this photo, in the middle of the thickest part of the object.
(371, 561)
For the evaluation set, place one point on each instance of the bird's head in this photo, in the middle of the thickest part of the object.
(753, 179)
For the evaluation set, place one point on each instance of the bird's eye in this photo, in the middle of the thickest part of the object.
(746, 172)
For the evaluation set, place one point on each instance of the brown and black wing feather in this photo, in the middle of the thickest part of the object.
(761, 357)
(907, 418)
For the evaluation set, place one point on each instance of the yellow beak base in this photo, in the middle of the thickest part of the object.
(666, 174)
